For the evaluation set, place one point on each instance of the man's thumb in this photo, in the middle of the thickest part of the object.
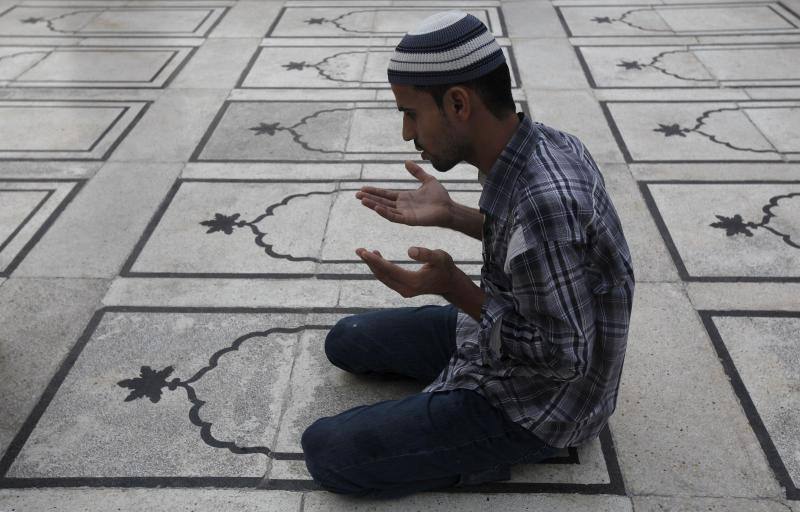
(417, 171)
(419, 253)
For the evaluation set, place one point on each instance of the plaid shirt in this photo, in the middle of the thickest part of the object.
(557, 274)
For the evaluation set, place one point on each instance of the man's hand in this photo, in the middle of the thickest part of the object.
(429, 205)
(436, 276)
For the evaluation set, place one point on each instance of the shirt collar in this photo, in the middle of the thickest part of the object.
(498, 186)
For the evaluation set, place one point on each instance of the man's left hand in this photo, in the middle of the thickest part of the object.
(434, 277)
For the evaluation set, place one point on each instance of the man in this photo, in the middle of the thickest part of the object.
(525, 364)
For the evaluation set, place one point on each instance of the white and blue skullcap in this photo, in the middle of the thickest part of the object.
(446, 48)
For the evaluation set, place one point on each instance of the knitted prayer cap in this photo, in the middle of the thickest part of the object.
(446, 48)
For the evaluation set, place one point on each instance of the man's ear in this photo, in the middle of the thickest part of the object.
(458, 102)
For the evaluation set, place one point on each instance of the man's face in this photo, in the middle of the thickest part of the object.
(429, 128)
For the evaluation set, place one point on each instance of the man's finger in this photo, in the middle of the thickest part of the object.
(386, 272)
(420, 254)
(417, 171)
(370, 201)
(391, 214)
(375, 191)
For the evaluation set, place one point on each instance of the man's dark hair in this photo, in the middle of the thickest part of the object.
(493, 88)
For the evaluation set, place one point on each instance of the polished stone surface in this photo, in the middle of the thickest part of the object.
(758, 65)
(65, 130)
(246, 228)
(733, 231)
(178, 225)
(32, 66)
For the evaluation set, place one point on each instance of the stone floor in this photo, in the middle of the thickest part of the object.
(177, 211)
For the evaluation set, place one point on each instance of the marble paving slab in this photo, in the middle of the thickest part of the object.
(159, 396)
(65, 129)
(321, 131)
(216, 393)
(705, 131)
(69, 19)
(678, 19)
(327, 67)
(760, 352)
(733, 231)
(219, 229)
(84, 67)
(320, 389)
(327, 19)
(27, 209)
(158, 19)
(757, 65)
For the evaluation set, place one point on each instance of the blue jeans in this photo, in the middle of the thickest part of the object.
(423, 442)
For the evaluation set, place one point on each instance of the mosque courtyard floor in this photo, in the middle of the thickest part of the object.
(177, 210)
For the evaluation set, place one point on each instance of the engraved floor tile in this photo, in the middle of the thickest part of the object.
(692, 66)
(325, 67)
(760, 352)
(67, 19)
(27, 208)
(109, 67)
(184, 394)
(675, 131)
(272, 131)
(676, 20)
(733, 231)
(320, 389)
(65, 130)
(367, 21)
(241, 229)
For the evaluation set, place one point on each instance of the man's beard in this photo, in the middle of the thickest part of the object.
(454, 152)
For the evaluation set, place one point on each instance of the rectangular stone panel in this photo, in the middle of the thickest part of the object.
(294, 131)
(157, 19)
(317, 389)
(27, 209)
(161, 397)
(733, 231)
(330, 20)
(705, 131)
(760, 351)
(212, 397)
(662, 66)
(265, 228)
(65, 129)
(327, 67)
(80, 66)
(687, 19)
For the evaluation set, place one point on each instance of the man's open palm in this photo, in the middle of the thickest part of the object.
(429, 205)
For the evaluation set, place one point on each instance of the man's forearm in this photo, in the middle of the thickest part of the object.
(466, 295)
(466, 220)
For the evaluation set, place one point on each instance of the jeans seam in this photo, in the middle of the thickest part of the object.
(383, 459)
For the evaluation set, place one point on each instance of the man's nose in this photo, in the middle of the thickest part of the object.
(408, 129)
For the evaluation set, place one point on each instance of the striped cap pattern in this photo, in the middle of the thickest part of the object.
(446, 48)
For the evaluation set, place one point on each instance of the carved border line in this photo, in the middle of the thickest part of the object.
(503, 31)
(769, 5)
(51, 49)
(165, 204)
(222, 9)
(614, 486)
(196, 158)
(77, 185)
(791, 156)
(739, 388)
(677, 259)
(512, 65)
(688, 48)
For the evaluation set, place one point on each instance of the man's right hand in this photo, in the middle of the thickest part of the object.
(429, 205)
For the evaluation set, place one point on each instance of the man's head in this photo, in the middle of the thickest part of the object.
(447, 75)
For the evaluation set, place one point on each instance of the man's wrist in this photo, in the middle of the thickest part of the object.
(465, 294)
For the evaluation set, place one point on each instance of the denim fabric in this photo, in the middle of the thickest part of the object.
(423, 442)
